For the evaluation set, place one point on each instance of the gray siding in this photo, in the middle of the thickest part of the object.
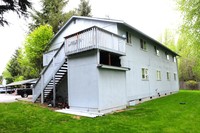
(136, 59)
(79, 25)
(112, 88)
(83, 81)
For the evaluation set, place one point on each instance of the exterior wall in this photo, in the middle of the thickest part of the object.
(48, 56)
(83, 81)
(112, 89)
(136, 59)
(81, 24)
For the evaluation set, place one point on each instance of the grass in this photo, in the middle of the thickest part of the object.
(177, 113)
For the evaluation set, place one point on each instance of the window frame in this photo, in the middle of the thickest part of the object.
(157, 52)
(167, 56)
(128, 38)
(143, 44)
(174, 59)
(168, 76)
(158, 75)
(175, 77)
(145, 75)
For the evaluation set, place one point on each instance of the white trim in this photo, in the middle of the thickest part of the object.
(113, 67)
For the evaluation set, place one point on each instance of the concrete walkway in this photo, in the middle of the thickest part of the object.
(7, 98)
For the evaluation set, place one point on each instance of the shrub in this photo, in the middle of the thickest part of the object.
(191, 84)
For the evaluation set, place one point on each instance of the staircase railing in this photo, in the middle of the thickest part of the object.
(48, 73)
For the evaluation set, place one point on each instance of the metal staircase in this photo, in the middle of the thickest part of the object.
(51, 76)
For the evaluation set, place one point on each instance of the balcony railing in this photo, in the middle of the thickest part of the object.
(94, 38)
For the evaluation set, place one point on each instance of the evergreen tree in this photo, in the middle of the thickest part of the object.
(52, 14)
(84, 9)
(18, 6)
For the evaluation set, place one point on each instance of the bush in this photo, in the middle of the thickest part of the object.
(191, 84)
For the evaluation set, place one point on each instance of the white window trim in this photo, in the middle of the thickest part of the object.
(146, 76)
(168, 76)
(157, 51)
(174, 59)
(144, 43)
(158, 75)
(175, 76)
(129, 38)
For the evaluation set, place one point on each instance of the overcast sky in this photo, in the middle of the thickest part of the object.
(149, 16)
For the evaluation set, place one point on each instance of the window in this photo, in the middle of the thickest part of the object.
(128, 37)
(156, 51)
(175, 76)
(143, 44)
(167, 55)
(144, 73)
(111, 59)
(168, 76)
(158, 75)
(174, 58)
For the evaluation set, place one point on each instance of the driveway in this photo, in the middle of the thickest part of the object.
(7, 98)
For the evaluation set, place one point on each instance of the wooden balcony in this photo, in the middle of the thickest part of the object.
(94, 38)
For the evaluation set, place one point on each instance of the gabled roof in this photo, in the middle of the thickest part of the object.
(112, 21)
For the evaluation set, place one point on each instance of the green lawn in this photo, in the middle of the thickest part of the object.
(166, 114)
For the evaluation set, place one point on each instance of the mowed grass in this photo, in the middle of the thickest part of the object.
(177, 113)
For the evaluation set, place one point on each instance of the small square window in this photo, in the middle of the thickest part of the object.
(128, 37)
(143, 44)
(158, 75)
(144, 73)
(168, 76)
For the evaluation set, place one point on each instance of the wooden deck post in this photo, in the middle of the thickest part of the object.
(42, 93)
(54, 92)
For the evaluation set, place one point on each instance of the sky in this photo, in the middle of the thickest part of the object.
(151, 17)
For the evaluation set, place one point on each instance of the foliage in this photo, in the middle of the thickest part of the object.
(168, 38)
(18, 6)
(191, 13)
(13, 68)
(191, 84)
(84, 9)
(1, 79)
(174, 113)
(36, 43)
(52, 14)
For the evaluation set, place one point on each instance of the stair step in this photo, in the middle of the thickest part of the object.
(65, 65)
(58, 76)
(63, 68)
(59, 73)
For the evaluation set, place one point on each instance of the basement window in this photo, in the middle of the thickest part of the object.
(107, 58)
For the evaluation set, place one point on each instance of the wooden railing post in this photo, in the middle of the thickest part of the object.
(42, 91)
(54, 86)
